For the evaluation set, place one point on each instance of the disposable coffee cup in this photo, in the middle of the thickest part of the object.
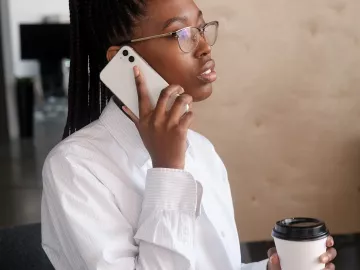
(300, 242)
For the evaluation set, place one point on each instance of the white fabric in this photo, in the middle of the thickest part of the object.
(105, 208)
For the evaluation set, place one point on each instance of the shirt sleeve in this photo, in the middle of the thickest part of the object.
(167, 222)
(92, 232)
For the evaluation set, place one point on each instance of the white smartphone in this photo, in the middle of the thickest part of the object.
(118, 76)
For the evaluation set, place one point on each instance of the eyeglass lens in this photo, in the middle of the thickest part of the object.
(189, 38)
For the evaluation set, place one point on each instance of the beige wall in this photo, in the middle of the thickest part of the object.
(285, 115)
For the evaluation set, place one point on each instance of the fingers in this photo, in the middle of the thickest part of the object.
(132, 116)
(143, 93)
(179, 108)
(274, 260)
(164, 99)
(329, 256)
(145, 108)
(187, 120)
(332, 253)
(271, 252)
(330, 242)
(330, 266)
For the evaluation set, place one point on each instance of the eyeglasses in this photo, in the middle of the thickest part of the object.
(188, 37)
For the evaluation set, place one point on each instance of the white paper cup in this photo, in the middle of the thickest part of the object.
(300, 242)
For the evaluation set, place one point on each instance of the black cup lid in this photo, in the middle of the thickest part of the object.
(300, 229)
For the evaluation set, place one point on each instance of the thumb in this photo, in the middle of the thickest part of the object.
(274, 262)
(143, 93)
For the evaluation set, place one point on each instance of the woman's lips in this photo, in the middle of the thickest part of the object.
(208, 76)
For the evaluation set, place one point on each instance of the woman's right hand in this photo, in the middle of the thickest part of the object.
(163, 132)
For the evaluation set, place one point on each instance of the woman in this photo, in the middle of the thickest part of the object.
(148, 193)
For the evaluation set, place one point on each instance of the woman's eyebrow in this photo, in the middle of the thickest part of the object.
(183, 20)
(169, 22)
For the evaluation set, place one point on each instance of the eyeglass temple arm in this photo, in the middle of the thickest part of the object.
(147, 38)
(174, 34)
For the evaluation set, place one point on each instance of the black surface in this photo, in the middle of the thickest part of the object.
(45, 41)
(25, 104)
(300, 229)
(20, 249)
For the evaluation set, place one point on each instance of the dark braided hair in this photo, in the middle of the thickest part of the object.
(96, 25)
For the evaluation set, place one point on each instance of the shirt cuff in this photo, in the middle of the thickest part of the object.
(171, 189)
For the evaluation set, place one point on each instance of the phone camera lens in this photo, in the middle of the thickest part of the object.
(125, 53)
(131, 59)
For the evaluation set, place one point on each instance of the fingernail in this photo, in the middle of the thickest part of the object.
(332, 242)
(272, 259)
(136, 71)
(124, 108)
(324, 258)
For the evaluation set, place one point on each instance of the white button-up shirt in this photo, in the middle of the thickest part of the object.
(105, 208)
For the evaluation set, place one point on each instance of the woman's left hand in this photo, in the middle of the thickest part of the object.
(327, 258)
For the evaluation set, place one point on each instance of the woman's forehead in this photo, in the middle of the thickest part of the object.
(161, 14)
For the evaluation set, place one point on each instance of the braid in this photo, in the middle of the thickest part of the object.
(95, 26)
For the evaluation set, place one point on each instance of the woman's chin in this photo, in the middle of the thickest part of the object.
(202, 93)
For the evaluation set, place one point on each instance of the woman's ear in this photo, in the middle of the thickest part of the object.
(111, 52)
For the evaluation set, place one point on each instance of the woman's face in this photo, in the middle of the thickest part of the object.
(164, 54)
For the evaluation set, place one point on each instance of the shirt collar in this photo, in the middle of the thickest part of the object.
(125, 133)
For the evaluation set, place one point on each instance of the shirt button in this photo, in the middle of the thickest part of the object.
(223, 234)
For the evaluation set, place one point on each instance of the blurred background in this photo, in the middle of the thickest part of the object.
(34, 70)
(284, 116)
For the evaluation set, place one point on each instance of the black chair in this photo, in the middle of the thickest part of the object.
(20, 249)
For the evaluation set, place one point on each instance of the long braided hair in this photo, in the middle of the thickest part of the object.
(95, 26)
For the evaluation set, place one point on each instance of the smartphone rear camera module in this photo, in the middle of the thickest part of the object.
(131, 59)
(125, 53)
